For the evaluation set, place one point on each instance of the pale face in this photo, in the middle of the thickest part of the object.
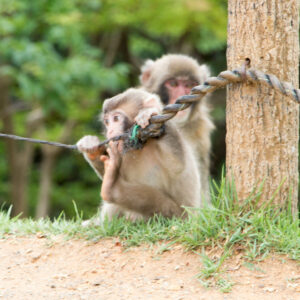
(179, 86)
(115, 123)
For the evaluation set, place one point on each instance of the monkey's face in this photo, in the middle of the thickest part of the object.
(116, 123)
(176, 87)
(179, 86)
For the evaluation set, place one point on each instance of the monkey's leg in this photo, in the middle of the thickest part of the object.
(204, 169)
(112, 163)
(143, 199)
(109, 210)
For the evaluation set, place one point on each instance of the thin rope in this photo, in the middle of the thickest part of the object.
(71, 147)
(20, 138)
(156, 126)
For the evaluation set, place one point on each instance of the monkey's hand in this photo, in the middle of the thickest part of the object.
(112, 163)
(144, 116)
(89, 145)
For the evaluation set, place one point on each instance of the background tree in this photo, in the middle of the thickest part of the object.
(262, 126)
(54, 76)
(59, 59)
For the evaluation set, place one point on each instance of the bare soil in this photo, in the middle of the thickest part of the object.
(41, 268)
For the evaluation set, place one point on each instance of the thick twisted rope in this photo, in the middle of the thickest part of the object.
(212, 84)
(156, 127)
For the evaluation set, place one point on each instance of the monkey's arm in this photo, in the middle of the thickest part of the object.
(88, 146)
(96, 164)
(151, 106)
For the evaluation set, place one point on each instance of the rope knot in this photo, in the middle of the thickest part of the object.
(243, 71)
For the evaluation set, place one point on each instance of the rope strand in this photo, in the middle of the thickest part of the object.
(156, 127)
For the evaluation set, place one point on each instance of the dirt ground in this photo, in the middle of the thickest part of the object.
(40, 268)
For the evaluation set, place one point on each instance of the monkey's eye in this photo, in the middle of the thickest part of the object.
(191, 84)
(173, 82)
(116, 118)
(106, 122)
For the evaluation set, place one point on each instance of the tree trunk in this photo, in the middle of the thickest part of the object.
(11, 147)
(262, 125)
(50, 155)
(19, 158)
(49, 158)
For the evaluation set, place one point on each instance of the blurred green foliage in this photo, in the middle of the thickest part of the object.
(66, 56)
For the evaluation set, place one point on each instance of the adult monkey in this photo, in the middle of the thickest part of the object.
(161, 178)
(170, 77)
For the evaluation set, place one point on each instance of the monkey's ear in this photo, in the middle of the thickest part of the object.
(204, 73)
(146, 70)
(101, 116)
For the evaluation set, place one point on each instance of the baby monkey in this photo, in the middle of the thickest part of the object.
(161, 178)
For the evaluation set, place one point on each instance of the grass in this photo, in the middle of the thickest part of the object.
(226, 225)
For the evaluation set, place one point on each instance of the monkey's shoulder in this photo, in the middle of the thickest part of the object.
(173, 140)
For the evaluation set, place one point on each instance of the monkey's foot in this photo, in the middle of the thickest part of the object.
(91, 222)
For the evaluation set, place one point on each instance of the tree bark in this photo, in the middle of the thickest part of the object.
(19, 157)
(50, 155)
(48, 163)
(262, 125)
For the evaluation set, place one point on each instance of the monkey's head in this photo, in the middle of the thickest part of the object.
(119, 112)
(172, 76)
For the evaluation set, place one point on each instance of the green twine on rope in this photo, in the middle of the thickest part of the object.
(134, 133)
